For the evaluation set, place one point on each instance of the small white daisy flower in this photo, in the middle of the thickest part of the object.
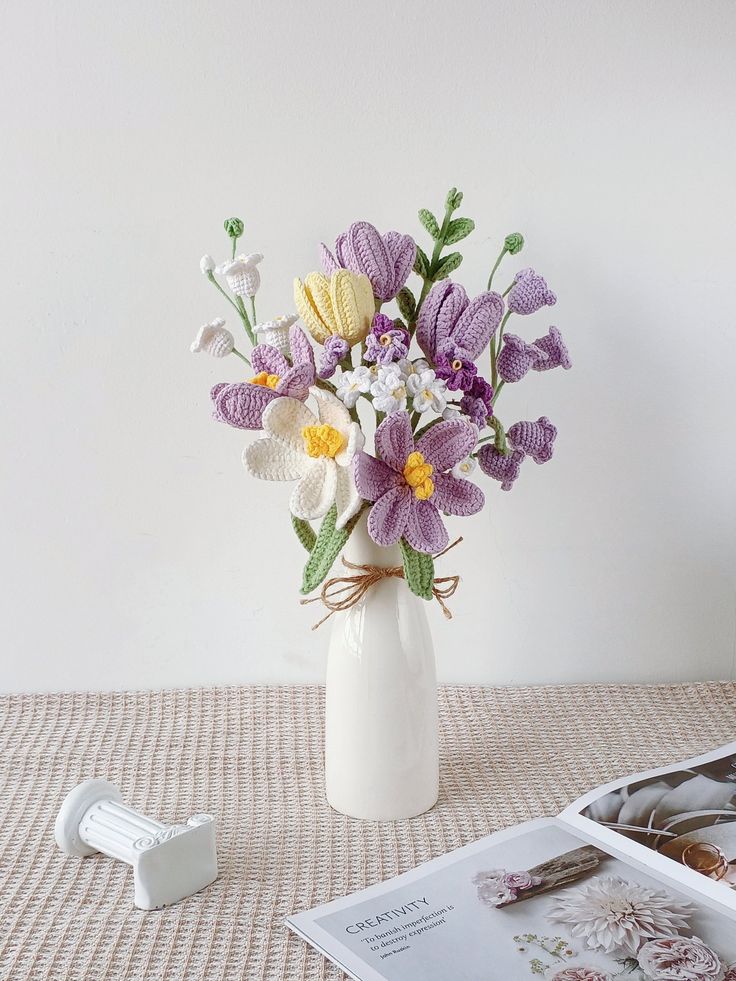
(464, 468)
(427, 391)
(352, 384)
(389, 389)
(408, 368)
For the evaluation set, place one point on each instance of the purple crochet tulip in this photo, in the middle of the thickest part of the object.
(242, 404)
(477, 402)
(555, 349)
(530, 293)
(499, 466)
(386, 259)
(334, 350)
(386, 342)
(536, 439)
(410, 485)
(449, 324)
(517, 358)
(455, 369)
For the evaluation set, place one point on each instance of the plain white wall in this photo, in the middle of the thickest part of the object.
(136, 552)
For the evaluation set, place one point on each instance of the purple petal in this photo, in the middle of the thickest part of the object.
(447, 443)
(266, 358)
(301, 349)
(342, 252)
(425, 531)
(296, 382)
(327, 259)
(216, 389)
(373, 477)
(455, 496)
(444, 304)
(478, 323)
(401, 252)
(369, 254)
(242, 405)
(394, 440)
(389, 515)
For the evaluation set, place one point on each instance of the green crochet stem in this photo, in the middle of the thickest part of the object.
(237, 306)
(496, 264)
(496, 346)
(434, 261)
(241, 356)
(253, 311)
(415, 417)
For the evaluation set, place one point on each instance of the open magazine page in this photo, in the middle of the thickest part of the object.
(537, 901)
(679, 819)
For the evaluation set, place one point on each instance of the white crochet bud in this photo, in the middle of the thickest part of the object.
(207, 264)
(214, 339)
(276, 332)
(242, 275)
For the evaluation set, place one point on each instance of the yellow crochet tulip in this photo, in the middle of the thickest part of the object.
(342, 305)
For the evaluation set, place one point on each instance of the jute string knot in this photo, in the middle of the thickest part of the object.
(342, 592)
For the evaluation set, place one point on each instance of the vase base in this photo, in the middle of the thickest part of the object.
(374, 811)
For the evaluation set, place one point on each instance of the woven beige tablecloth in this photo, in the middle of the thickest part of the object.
(253, 757)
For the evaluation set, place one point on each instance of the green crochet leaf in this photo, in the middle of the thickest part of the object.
(454, 199)
(304, 532)
(328, 545)
(458, 229)
(421, 264)
(429, 222)
(407, 304)
(447, 265)
(418, 570)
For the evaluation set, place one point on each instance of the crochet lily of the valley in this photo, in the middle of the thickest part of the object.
(422, 380)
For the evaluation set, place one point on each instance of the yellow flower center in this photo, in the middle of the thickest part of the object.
(267, 381)
(385, 339)
(457, 364)
(322, 441)
(417, 474)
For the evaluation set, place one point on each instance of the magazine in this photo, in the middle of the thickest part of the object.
(635, 880)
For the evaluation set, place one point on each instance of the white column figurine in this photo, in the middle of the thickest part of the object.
(170, 862)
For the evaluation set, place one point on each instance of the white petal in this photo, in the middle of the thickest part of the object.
(355, 441)
(314, 495)
(332, 412)
(271, 460)
(285, 418)
(347, 498)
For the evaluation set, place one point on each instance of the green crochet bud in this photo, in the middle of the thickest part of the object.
(454, 199)
(234, 227)
(514, 243)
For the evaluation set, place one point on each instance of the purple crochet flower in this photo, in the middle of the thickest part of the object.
(536, 439)
(530, 293)
(386, 259)
(499, 466)
(455, 369)
(453, 331)
(517, 357)
(555, 349)
(386, 342)
(410, 485)
(334, 350)
(477, 402)
(242, 404)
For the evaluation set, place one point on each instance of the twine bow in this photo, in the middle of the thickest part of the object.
(342, 592)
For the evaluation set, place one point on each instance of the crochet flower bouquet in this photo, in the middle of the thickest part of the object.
(426, 375)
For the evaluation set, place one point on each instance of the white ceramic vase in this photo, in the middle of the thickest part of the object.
(381, 739)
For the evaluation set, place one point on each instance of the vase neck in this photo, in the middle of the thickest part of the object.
(362, 550)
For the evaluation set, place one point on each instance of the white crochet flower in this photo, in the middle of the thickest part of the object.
(427, 390)
(352, 384)
(464, 468)
(214, 339)
(389, 389)
(408, 368)
(207, 264)
(316, 452)
(241, 274)
(276, 332)
(451, 412)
